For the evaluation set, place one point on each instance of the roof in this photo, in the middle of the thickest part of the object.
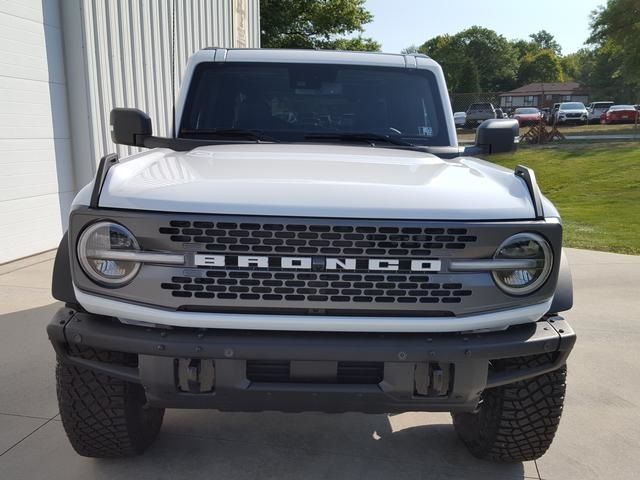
(318, 56)
(557, 88)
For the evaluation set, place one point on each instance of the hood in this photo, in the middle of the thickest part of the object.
(314, 180)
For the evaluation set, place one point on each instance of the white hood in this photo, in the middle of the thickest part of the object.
(316, 181)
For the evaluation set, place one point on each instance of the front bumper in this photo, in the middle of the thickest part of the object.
(206, 368)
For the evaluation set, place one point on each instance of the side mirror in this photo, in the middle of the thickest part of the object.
(497, 135)
(129, 126)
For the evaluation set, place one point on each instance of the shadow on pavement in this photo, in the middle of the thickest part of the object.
(209, 444)
(202, 444)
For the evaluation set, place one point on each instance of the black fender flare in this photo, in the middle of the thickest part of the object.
(62, 283)
(563, 297)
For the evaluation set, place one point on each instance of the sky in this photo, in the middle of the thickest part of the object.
(398, 24)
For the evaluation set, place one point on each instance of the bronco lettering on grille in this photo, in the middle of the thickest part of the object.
(318, 263)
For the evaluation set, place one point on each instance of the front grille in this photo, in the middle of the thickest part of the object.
(315, 287)
(279, 371)
(314, 239)
(574, 115)
(217, 277)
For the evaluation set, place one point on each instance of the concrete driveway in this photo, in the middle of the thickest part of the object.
(599, 435)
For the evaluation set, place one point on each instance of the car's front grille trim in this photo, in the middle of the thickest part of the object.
(478, 239)
(308, 238)
(296, 287)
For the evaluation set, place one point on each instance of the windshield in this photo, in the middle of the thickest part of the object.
(622, 107)
(480, 106)
(289, 102)
(572, 106)
(526, 111)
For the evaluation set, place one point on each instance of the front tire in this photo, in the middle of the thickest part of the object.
(104, 417)
(515, 422)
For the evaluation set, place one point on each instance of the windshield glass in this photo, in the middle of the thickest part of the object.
(289, 101)
(526, 111)
(622, 107)
(480, 106)
(572, 106)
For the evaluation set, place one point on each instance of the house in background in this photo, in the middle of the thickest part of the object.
(544, 95)
(64, 64)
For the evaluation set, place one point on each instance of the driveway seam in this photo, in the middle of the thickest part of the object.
(535, 462)
(12, 284)
(17, 269)
(24, 416)
(27, 436)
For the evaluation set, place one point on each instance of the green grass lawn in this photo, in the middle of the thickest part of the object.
(598, 129)
(469, 135)
(596, 188)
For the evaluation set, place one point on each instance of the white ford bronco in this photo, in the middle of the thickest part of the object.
(310, 237)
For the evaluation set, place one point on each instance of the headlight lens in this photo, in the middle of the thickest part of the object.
(524, 246)
(94, 248)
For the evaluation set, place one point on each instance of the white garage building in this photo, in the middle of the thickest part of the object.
(63, 65)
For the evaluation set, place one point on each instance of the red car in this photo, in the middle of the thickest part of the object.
(527, 116)
(620, 114)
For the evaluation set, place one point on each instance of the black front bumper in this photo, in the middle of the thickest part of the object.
(301, 371)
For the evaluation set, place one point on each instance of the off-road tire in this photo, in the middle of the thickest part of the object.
(515, 422)
(104, 416)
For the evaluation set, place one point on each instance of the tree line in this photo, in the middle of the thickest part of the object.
(478, 59)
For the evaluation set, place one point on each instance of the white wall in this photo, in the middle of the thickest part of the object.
(64, 64)
(36, 176)
(119, 54)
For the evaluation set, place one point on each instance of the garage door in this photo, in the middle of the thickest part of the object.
(36, 181)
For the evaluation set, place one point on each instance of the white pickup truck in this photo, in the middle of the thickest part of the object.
(310, 237)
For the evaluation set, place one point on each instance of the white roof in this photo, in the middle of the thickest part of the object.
(318, 56)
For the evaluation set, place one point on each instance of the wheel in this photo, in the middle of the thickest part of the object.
(515, 422)
(103, 416)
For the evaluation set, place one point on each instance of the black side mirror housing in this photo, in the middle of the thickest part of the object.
(130, 126)
(497, 135)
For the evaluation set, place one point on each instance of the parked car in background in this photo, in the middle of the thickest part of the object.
(500, 113)
(460, 119)
(572, 112)
(527, 116)
(479, 112)
(620, 114)
(596, 109)
(546, 114)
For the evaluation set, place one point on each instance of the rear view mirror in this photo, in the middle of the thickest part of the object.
(129, 126)
(497, 136)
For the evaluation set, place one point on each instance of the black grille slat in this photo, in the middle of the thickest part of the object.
(310, 239)
(279, 371)
(299, 286)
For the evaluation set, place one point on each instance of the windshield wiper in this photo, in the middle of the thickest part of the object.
(229, 133)
(371, 138)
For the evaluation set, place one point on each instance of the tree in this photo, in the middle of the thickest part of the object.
(599, 69)
(543, 66)
(494, 57)
(476, 57)
(571, 65)
(543, 40)
(615, 31)
(315, 24)
(469, 78)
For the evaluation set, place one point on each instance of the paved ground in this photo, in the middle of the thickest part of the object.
(599, 435)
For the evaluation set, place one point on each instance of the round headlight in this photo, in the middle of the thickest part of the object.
(534, 251)
(102, 254)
